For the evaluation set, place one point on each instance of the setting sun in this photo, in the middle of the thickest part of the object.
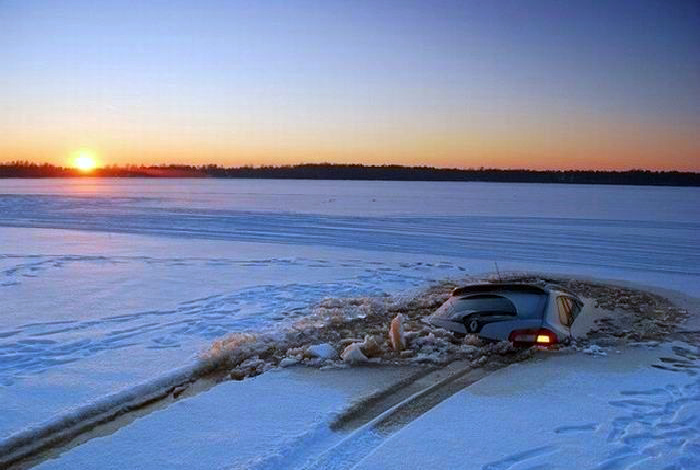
(85, 160)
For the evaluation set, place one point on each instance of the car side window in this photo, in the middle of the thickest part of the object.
(565, 308)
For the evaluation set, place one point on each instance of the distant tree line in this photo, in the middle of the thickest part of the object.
(337, 171)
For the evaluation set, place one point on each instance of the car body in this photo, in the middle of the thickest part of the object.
(524, 314)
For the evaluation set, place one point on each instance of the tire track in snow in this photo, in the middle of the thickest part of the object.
(380, 418)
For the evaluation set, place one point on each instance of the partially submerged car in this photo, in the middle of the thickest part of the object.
(524, 314)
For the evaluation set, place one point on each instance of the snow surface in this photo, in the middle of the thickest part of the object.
(234, 424)
(559, 412)
(568, 411)
(106, 284)
(85, 325)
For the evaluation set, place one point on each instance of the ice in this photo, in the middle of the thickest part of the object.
(352, 198)
(288, 361)
(107, 284)
(553, 224)
(322, 351)
(594, 350)
(352, 354)
(396, 333)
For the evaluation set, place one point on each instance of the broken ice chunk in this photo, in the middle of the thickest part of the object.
(353, 354)
(322, 351)
(396, 334)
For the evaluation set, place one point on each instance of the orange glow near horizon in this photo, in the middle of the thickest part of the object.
(495, 153)
(590, 143)
(528, 145)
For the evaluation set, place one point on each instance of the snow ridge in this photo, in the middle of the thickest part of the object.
(65, 426)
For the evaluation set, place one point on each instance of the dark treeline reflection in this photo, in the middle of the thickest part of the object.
(335, 171)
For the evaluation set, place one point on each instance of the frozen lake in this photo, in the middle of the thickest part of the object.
(106, 283)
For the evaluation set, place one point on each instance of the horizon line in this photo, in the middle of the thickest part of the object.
(250, 166)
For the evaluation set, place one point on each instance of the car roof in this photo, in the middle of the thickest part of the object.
(496, 287)
(531, 288)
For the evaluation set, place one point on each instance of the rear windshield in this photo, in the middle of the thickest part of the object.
(486, 303)
(522, 304)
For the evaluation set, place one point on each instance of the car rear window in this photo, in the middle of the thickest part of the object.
(525, 305)
(486, 303)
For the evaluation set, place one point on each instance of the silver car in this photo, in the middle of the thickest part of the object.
(524, 314)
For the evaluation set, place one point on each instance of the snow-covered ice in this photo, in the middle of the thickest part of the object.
(233, 425)
(568, 411)
(92, 313)
(106, 284)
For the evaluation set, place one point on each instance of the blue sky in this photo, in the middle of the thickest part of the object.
(538, 84)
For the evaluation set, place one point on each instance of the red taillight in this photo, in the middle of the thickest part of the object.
(542, 337)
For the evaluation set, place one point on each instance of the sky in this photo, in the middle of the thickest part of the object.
(467, 84)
